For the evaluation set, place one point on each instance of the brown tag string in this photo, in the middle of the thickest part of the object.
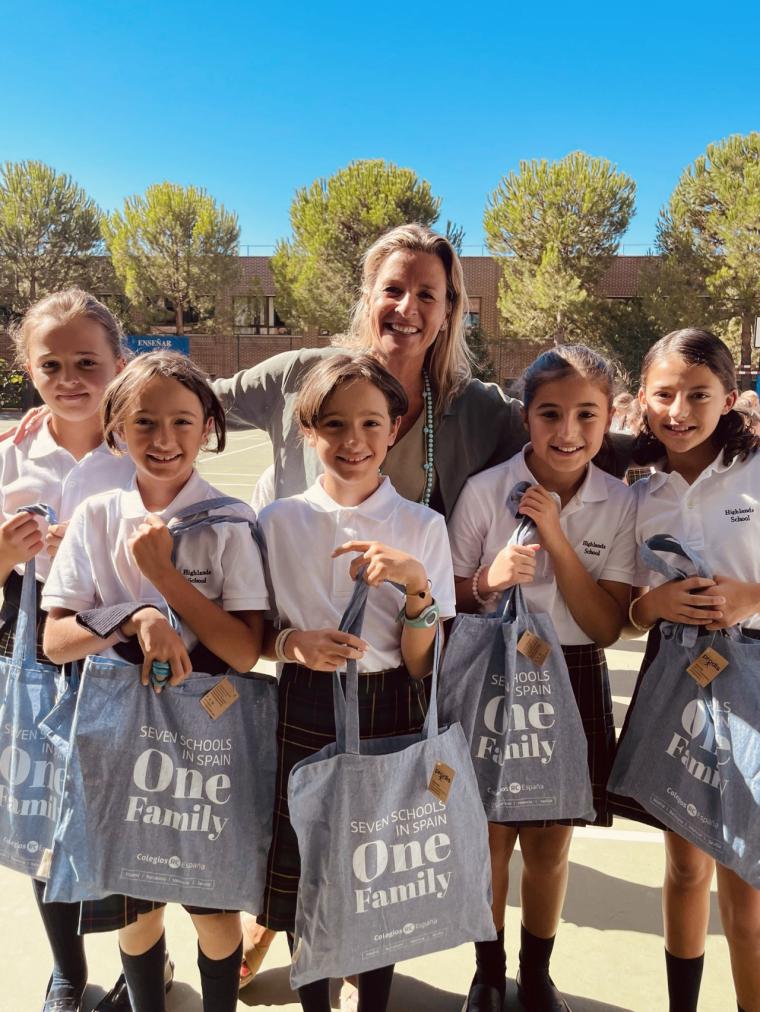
(533, 647)
(707, 666)
(220, 698)
(441, 780)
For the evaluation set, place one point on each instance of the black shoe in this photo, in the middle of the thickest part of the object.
(70, 1004)
(540, 995)
(484, 997)
(117, 999)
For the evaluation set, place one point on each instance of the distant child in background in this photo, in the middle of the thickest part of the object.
(567, 407)
(621, 404)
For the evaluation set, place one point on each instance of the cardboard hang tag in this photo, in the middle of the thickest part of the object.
(43, 869)
(441, 780)
(533, 647)
(707, 666)
(220, 698)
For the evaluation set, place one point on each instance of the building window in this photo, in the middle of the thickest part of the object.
(472, 319)
(256, 314)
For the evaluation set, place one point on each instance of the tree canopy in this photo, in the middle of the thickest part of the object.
(173, 243)
(709, 239)
(49, 232)
(556, 226)
(318, 270)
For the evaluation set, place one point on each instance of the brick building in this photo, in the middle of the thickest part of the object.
(258, 332)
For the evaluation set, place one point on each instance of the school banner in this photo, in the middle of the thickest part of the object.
(139, 344)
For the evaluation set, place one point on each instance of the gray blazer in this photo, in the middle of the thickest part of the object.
(480, 428)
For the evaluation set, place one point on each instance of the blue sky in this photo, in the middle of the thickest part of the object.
(252, 100)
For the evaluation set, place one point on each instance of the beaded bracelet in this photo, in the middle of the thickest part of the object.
(279, 644)
(482, 601)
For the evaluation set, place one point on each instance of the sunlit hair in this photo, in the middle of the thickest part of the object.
(122, 392)
(58, 309)
(337, 370)
(733, 433)
(569, 360)
(622, 401)
(449, 359)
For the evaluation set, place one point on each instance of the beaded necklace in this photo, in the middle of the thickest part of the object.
(428, 438)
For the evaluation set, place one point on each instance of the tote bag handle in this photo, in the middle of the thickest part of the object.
(513, 601)
(197, 517)
(346, 706)
(649, 553)
(25, 639)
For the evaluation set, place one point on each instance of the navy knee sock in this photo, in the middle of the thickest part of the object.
(220, 980)
(144, 975)
(314, 997)
(491, 962)
(61, 921)
(684, 980)
(375, 989)
(535, 954)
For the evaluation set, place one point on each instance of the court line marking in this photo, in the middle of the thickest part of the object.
(231, 453)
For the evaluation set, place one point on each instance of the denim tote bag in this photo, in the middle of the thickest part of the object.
(163, 802)
(31, 768)
(389, 869)
(519, 716)
(691, 754)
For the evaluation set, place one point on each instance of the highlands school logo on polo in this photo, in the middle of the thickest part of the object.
(181, 789)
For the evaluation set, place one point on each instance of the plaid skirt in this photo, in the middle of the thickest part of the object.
(390, 703)
(587, 667)
(113, 912)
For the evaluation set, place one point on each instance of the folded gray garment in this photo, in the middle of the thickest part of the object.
(109, 619)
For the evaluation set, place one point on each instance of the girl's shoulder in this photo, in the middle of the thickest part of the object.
(237, 508)
(96, 511)
(615, 489)
(280, 509)
(499, 475)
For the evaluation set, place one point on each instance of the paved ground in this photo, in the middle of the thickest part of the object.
(608, 956)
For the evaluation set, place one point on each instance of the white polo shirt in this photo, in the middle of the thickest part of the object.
(598, 522)
(718, 516)
(94, 566)
(39, 470)
(312, 590)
